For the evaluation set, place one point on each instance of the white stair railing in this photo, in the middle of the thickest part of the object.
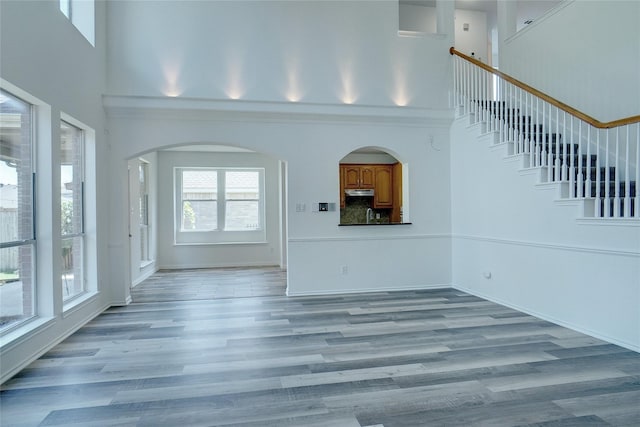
(597, 162)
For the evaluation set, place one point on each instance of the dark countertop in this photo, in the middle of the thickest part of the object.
(375, 225)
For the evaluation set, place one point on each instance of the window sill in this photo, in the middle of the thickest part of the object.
(77, 303)
(220, 243)
(25, 332)
(420, 34)
(146, 264)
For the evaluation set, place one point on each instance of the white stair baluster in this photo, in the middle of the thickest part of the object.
(549, 147)
(556, 163)
(607, 177)
(572, 170)
(598, 195)
(627, 181)
(564, 167)
(636, 195)
(587, 174)
(616, 189)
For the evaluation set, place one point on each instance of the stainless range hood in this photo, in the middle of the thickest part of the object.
(359, 192)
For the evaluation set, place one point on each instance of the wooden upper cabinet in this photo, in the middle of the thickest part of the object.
(351, 176)
(357, 176)
(383, 195)
(367, 177)
(343, 197)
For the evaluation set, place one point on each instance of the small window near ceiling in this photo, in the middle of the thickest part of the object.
(417, 17)
(81, 13)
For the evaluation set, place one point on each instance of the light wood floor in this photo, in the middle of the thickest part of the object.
(418, 358)
(211, 283)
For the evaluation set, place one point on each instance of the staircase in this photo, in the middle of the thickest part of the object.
(598, 166)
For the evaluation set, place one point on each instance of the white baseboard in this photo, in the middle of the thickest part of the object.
(366, 290)
(214, 265)
(144, 277)
(36, 354)
(552, 319)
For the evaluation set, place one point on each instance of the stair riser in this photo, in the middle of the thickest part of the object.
(612, 189)
(632, 207)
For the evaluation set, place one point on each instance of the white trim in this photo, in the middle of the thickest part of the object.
(144, 276)
(610, 222)
(44, 325)
(552, 246)
(78, 303)
(216, 243)
(366, 238)
(539, 19)
(183, 266)
(25, 332)
(209, 109)
(551, 319)
(421, 34)
(368, 290)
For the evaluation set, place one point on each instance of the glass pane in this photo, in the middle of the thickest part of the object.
(199, 185)
(144, 243)
(65, 7)
(242, 215)
(144, 199)
(16, 179)
(72, 278)
(17, 295)
(242, 185)
(71, 161)
(199, 215)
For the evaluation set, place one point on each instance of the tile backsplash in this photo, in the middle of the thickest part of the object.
(355, 211)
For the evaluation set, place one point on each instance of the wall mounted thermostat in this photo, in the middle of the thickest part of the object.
(324, 207)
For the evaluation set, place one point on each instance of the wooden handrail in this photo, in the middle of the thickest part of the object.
(593, 122)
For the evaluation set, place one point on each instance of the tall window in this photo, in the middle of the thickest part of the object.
(72, 209)
(219, 205)
(143, 176)
(17, 229)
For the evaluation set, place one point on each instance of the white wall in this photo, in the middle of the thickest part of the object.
(312, 145)
(172, 77)
(476, 39)
(171, 255)
(586, 54)
(325, 52)
(542, 260)
(45, 56)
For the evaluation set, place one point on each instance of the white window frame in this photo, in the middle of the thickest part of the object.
(218, 235)
(144, 225)
(78, 234)
(81, 13)
(27, 241)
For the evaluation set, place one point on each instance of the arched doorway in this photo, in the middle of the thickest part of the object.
(206, 206)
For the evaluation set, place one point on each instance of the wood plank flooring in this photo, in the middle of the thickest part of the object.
(211, 283)
(415, 358)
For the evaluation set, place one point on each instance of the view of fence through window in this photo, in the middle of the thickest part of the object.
(17, 240)
(218, 199)
(71, 205)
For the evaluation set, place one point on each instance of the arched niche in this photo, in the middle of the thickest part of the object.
(373, 188)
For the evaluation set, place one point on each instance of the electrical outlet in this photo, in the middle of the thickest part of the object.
(344, 270)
